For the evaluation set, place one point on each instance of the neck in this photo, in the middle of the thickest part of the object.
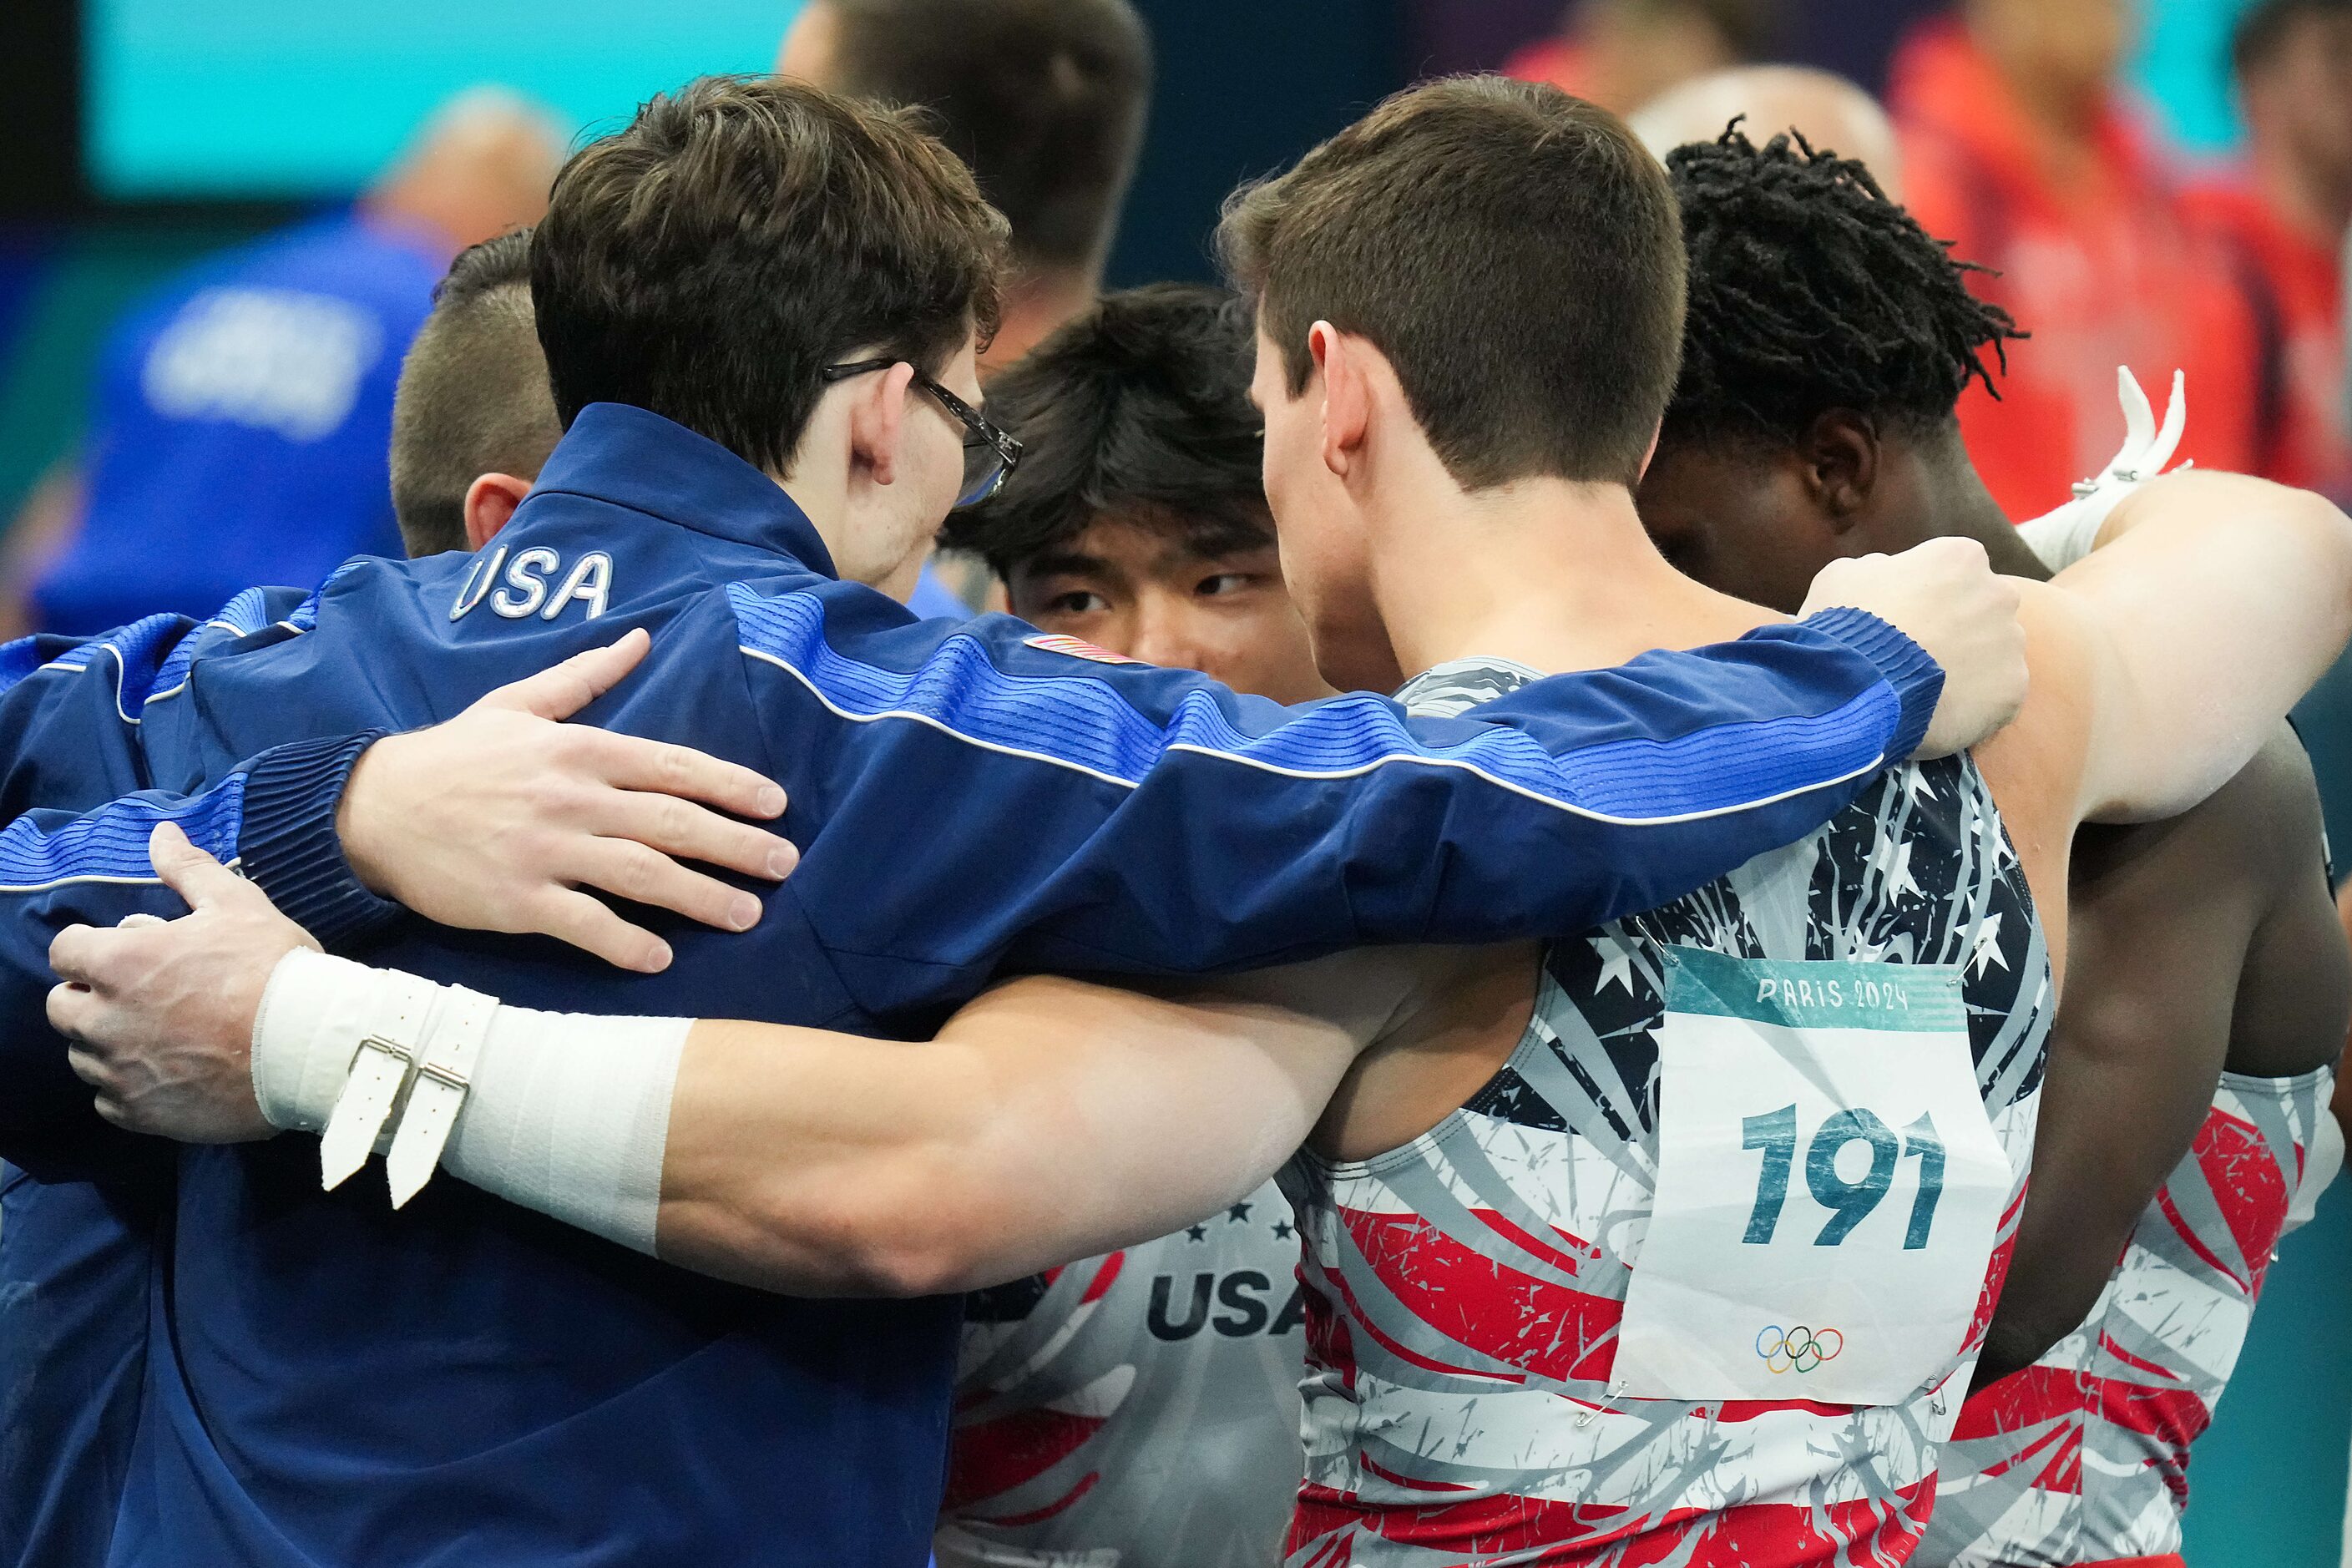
(1035, 304)
(892, 571)
(1965, 509)
(1553, 574)
(2314, 203)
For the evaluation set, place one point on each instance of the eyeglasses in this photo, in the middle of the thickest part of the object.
(989, 452)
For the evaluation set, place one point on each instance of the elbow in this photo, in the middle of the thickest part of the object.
(2327, 534)
(2327, 522)
(2011, 1345)
(899, 1234)
(2331, 519)
(2028, 1322)
(906, 1260)
(893, 1231)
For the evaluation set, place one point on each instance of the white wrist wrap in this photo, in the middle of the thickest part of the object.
(314, 1015)
(2064, 537)
(565, 1113)
(570, 1115)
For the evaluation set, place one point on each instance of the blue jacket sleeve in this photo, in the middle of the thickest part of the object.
(77, 803)
(71, 715)
(67, 740)
(63, 867)
(59, 869)
(1070, 812)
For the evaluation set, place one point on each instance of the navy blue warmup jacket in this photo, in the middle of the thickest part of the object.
(467, 1383)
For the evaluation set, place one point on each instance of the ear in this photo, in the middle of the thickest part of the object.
(1347, 396)
(1652, 455)
(491, 502)
(1839, 459)
(877, 423)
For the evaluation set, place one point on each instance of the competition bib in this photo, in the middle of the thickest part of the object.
(1829, 1185)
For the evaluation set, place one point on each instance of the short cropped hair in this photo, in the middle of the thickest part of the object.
(1809, 290)
(1044, 99)
(741, 234)
(473, 396)
(1139, 409)
(2265, 28)
(1513, 251)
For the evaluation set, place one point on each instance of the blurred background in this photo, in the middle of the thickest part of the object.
(234, 211)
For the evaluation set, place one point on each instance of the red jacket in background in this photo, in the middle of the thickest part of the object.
(2109, 271)
(2295, 286)
(1555, 62)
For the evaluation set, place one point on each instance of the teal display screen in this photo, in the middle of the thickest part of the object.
(300, 98)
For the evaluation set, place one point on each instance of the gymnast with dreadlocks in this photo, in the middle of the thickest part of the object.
(2183, 1123)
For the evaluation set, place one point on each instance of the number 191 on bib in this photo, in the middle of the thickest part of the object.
(1850, 1202)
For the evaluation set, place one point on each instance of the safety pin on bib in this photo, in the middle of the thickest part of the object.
(1607, 1404)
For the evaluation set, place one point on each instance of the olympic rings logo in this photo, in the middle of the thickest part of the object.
(1800, 1349)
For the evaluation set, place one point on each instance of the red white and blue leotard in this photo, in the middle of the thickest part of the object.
(1463, 1292)
(2083, 1455)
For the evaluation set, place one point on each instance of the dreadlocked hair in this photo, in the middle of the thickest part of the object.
(1811, 291)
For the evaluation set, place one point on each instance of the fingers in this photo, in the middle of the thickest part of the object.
(646, 875)
(71, 1014)
(90, 961)
(580, 921)
(634, 763)
(72, 1010)
(90, 1069)
(685, 831)
(77, 954)
(190, 872)
(564, 690)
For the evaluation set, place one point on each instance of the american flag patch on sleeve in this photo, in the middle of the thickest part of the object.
(1079, 648)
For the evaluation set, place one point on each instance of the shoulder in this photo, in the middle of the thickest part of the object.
(2036, 764)
(2273, 805)
(2237, 849)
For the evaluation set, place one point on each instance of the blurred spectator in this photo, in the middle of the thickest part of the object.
(2285, 215)
(2017, 150)
(1044, 99)
(243, 413)
(1826, 109)
(1620, 54)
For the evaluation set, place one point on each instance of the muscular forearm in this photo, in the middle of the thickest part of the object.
(806, 1162)
(1051, 1120)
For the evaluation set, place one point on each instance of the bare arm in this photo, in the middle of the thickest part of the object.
(1051, 1120)
(2220, 601)
(2167, 919)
